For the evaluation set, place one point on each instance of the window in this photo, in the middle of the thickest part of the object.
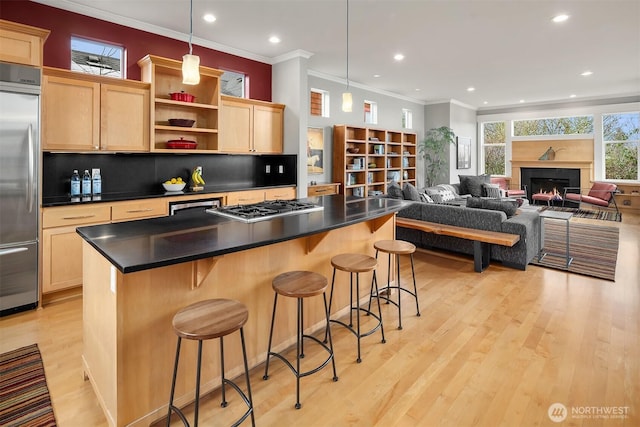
(577, 125)
(407, 119)
(319, 100)
(370, 112)
(621, 138)
(233, 84)
(93, 57)
(494, 146)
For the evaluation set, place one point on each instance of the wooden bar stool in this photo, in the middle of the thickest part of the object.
(205, 320)
(300, 285)
(355, 264)
(396, 248)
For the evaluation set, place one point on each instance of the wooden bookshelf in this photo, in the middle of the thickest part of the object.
(382, 156)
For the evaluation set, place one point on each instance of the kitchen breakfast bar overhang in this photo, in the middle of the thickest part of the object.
(138, 274)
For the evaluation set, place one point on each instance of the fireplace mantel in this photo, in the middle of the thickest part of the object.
(586, 169)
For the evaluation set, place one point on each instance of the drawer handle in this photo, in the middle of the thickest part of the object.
(140, 210)
(79, 217)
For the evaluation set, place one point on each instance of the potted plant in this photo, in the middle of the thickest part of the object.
(433, 150)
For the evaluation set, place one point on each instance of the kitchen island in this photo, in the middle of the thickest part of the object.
(138, 274)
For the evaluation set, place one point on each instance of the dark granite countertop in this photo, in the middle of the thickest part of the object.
(119, 197)
(151, 243)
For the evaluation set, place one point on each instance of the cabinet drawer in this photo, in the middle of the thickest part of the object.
(322, 190)
(245, 197)
(75, 215)
(139, 209)
(280, 193)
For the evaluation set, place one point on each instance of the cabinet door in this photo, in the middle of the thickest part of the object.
(267, 129)
(236, 128)
(288, 193)
(20, 48)
(61, 259)
(124, 124)
(70, 114)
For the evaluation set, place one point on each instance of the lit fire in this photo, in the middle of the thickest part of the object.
(554, 192)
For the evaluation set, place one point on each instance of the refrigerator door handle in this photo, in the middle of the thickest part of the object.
(12, 251)
(31, 184)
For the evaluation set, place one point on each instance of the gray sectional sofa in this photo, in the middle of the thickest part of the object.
(525, 223)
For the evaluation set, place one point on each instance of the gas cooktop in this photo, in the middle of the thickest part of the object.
(265, 210)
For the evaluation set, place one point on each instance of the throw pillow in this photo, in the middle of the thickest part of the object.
(410, 192)
(425, 198)
(394, 191)
(447, 195)
(492, 190)
(448, 187)
(507, 207)
(472, 184)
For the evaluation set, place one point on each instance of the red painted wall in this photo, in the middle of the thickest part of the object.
(64, 24)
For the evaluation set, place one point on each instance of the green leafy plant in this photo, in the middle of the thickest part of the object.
(433, 149)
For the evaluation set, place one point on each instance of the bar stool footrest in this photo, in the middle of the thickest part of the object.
(386, 296)
(311, 371)
(354, 331)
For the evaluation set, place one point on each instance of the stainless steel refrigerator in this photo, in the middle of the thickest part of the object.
(19, 200)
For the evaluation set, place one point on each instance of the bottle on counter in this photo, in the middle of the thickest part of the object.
(86, 183)
(96, 182)
(75, 183)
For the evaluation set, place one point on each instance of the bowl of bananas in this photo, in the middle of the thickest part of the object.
(174, 184)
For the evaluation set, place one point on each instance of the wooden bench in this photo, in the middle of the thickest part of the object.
(482, 239)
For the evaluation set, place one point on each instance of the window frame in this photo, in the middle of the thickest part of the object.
(100, 65)
(324, 100)
(605, 143)
(373, 112)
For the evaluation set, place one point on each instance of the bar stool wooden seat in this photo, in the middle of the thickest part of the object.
(396, 248)
(354, 264)
(205, 320)
(300, 285)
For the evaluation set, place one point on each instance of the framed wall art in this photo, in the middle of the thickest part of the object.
(463, 145)
(315, 150)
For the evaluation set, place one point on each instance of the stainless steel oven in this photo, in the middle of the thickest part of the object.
(178, 207)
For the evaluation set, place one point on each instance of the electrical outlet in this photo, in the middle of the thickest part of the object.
(280, 169)
(267, 169)
(626, 202)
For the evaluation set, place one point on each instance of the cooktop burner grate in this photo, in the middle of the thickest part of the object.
(265, 210)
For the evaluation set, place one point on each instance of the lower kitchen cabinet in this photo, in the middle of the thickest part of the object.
(62, 246)
(256, 196)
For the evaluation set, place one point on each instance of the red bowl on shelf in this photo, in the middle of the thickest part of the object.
(182, 144)
(182, 96)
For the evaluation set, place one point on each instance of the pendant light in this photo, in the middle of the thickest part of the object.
(347, 98)
(190, 62)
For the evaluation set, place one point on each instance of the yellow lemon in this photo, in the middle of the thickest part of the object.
(179, 179)
(173, 180)
(167, 182)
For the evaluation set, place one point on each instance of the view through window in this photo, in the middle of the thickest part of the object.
(494, 144)
(93, 57)
(621, 137)
(232, 84)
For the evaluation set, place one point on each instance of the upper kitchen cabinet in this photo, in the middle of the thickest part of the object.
(21, 44)
(201, 107)
(250, 126)
(87, 113)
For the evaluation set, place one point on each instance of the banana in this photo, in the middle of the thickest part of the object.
(196, 176)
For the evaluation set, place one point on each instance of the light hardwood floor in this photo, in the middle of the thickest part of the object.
(490, 349)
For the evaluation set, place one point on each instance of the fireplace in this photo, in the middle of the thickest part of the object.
(548, 180)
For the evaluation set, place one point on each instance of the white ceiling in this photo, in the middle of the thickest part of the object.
(509, 50)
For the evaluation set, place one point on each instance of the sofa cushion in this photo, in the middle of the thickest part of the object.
(394, 191)
(492, 190)
(508, 207)
(410, 192)
(472, 184)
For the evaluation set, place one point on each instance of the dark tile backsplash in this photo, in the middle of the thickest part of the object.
(144, 173)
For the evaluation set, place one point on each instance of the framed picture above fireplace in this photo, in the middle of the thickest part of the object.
(463, 147)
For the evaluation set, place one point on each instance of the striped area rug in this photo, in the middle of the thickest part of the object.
(594, 248)
(606, 215)
(24, 395)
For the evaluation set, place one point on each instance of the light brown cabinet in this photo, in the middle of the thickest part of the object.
(260, 195)
(365, 160)
(62, 246)
(323, 189)
(250, 126)
(85, 113)
(628, 197)
(22, 44)
(165, 77)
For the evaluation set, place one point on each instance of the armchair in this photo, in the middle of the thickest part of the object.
(503, 183)
(601, 195)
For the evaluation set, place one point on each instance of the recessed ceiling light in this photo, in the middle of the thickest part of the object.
(274, 39)
(209, 18)
(573, 95)
(398, 57)
(417, 90)
(485, 102)
(521, 101)
(471, 89)
(586, 73)
(560, 18)
(376, 75)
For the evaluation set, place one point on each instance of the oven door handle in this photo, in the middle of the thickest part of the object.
(187, 205)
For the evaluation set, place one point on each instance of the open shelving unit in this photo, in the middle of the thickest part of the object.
(382, 156)
(165, 76)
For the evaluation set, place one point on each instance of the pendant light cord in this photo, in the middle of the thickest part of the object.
(190, 27)
(347, 45)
